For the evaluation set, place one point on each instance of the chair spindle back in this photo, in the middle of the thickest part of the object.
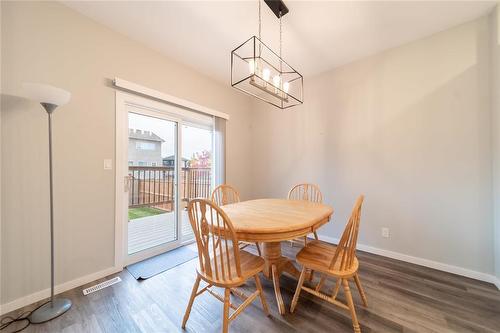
(225, 195)
(346, 249)
(307, 192)
(215, 237)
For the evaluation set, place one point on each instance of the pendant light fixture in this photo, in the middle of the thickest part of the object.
(259, 71)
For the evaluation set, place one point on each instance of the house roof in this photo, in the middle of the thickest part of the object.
(172, 157)
(144, 135)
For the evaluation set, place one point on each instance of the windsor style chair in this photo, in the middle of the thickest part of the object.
(224, 195)
(306, 192)
(221, 264)
(339, 262)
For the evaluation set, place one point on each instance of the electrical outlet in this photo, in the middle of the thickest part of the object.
(385, 232)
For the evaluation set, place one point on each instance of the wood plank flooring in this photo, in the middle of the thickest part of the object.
(402, 297)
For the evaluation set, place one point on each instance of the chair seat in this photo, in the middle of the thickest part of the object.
(317, 255)
(250, 265)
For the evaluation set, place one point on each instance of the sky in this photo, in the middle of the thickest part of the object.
(193, 139)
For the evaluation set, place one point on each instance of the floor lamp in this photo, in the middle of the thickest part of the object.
(50, 98)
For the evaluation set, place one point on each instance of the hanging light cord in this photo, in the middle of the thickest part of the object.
(281, 58)
(260, 22)
(281, 42)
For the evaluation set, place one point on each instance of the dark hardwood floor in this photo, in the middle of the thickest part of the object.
(402, 297)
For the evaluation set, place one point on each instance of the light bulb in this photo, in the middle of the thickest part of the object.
(251, 66)
(276, 81)
(286, 86)
(266, 74)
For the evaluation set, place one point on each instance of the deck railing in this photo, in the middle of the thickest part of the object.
(154, 186)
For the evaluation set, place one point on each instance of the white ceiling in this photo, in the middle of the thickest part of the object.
(317, 35)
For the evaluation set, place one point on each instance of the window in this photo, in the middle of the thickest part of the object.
(153, 163)
(130, 163)
(141, 145)
(142, 163)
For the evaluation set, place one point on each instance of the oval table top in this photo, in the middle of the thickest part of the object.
(272, 220)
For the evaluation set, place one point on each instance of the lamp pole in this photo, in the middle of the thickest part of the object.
(56, 306)
(50, 108)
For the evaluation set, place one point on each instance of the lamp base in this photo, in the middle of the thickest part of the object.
(50, 310)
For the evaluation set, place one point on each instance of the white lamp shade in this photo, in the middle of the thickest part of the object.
(44, 93)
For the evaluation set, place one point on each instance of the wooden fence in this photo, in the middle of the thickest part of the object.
(154, 186)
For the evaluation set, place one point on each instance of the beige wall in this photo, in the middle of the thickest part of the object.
(495, 107)
(48, 42)
(409, 128)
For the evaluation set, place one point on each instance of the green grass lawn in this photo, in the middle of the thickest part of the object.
(135, 213)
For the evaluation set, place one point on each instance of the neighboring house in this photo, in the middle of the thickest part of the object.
(144, 148)
(170, 160)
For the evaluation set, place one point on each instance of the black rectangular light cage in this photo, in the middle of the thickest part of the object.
(258, 71)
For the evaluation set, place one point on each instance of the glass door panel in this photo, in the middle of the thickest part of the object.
(196, 173)
(152, 171)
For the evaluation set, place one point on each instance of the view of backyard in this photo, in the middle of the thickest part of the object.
(152, 203)
(135, 213)
(157, 174)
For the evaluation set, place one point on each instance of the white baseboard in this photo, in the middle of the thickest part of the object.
(423, 262)
(40, 295)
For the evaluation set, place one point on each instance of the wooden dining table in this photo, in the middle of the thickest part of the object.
(272, 221)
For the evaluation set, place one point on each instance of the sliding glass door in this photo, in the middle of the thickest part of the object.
(152, 204)
(152, 157)
(169, 161)
(197, 165)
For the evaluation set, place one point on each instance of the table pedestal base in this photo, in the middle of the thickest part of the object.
(276, 265)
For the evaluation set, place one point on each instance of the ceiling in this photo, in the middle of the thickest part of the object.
(317, 35)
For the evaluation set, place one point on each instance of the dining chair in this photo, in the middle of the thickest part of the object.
(307, 192)
(339, 262)
(225, 195)
(221, 264)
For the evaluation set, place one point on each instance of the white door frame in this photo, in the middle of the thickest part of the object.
(150, 108)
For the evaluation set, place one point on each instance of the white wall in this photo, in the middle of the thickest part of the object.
(495, 107)
(409, 128)
(48, 42)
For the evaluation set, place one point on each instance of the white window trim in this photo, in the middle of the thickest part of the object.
(127, 85)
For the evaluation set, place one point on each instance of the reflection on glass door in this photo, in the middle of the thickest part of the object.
(152, 170)
(196, 174)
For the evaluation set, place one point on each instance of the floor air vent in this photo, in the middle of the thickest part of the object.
(101, 285)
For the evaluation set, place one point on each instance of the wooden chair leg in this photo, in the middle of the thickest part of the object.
(261, 294)
(336, 288)
(350, 303)
(360, 289)
(191, 300)
(258, 249)
(225, 318)
(298, 289)
(315, 235)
